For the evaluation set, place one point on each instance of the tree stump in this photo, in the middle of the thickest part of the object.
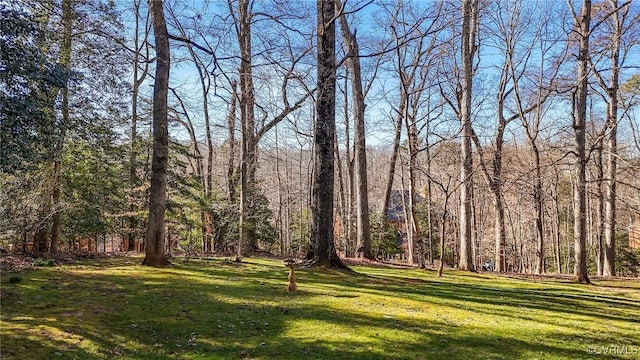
(292, 265)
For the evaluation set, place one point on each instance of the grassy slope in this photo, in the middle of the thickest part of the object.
(220, 310)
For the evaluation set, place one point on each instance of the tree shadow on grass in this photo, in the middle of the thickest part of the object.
(384, 338)
(210, 312)
(35, 349)
(552, 299)
(571, 313)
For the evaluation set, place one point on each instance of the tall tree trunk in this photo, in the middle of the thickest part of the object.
(394, 156)
(154, 247)
(429, 232)
(408, 219)
(411, 219)
(609, 268)
(322, 250)
(500, 232)
(443, 228)
(288, 214)
(363, 234)
(65, 61)
(493, 178)
(556, 201)
(205, 84)
(342, 198)
(231, 128)
(538, 202)
(247, 118)
(40, 241)
(133, 151)
(56, 226)
(279, 200)
(599, 210)
(351, 189)
(469, 19)
(583, 24)
(204, 174)
(475, 248)
(349, 205)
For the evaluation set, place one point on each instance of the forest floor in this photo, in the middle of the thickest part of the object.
(217, 309)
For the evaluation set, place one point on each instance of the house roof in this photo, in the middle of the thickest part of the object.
(397, 201)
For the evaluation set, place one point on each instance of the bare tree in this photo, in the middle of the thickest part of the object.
(395, 148)
(322, 251)
(363, 235)
(344, 205)
(505, 38)
(140, 72)
(154, 247)
(253, 128)
(231, 139)
(448, 190)
(583, 31)
(617, 15)
(444, 158)
(204, 172)
(247, 120)
(415, 52)
(556, 220)
(531, 112)
(468, 51)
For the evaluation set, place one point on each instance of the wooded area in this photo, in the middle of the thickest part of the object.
(492, 135)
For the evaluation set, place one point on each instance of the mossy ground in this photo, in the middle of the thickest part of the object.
(116, 308)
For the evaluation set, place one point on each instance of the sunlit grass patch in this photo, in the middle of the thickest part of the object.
(201, 309)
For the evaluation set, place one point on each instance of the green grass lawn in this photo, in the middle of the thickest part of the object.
(115, 308)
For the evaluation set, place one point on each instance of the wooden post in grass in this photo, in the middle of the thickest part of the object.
(292, 265)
